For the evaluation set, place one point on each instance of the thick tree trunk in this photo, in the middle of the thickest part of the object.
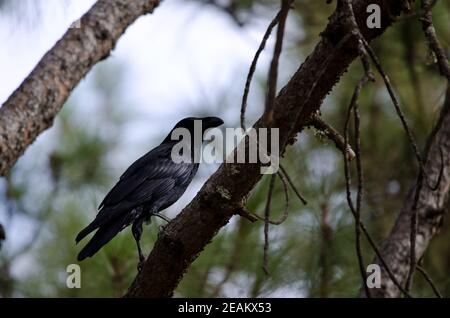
(33, 106)
(432, 206)
(181, 241)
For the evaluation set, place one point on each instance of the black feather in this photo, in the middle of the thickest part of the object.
(103, 236)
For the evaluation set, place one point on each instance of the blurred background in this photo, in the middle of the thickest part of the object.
(191, 58)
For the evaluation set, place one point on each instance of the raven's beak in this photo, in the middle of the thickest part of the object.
(212, 122)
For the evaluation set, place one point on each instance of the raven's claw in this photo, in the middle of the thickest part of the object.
(140, 265)
(165, 218)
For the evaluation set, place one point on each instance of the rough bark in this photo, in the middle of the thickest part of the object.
(431, 207)
(33, 106)
(180, 242)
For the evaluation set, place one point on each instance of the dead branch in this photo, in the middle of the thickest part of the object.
(332, 134)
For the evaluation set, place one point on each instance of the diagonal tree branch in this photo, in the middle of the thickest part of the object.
(180, 242)
(32, 107)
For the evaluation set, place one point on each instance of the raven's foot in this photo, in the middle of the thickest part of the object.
(165, 218)
(141, 263)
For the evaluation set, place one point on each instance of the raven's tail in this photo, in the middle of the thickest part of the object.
(103, 235)
(105, 216)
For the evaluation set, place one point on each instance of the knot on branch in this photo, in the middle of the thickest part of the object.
(176, 245)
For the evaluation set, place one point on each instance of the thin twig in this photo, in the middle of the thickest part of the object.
(252, 69)
(279, 18)
(354, 30)
(255, 217)
(332, 134)
(395, 101)
(429, 281)
(430, 32)
(415, 14)
(387, 82)
(360, 189)
(378, 253)
(291, 183)
(266, 225)
(242, 211)
(356, 211)
(273, 70)
(286, 204)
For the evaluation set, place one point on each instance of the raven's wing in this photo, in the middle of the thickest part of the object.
(153, 165)
(110, 223)
(151, 177)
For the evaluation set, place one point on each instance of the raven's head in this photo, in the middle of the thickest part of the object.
(207, 122)
(190, 123)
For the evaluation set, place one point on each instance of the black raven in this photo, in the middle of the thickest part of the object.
(151, 184)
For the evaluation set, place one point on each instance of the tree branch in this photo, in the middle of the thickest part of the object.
(431, 207)
(180, 242)
(333, 135)
(32, 107)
